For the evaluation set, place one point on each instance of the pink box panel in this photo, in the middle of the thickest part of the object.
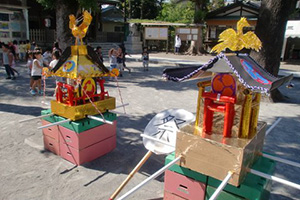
(51, 144)
(90, 153)
(183, 186)
(87, 138)
(170, 196)
(52, 131)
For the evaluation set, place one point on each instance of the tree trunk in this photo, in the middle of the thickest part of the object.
(200, 12)
(270, 29)
(63, 33)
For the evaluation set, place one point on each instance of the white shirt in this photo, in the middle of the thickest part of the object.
(53, 63)
(36, 71)
(113, 60)
(29, 63)
(177, 42)
(5, 58)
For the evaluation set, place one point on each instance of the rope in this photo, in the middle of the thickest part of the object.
(91, 101)
(117, 83)
(44, 90)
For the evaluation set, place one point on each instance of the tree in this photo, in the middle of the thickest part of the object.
(63, 9)
(143, 9)
(174, 12)
(270, 28)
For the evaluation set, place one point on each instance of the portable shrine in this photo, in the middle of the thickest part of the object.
(226, 135)
(82, 71)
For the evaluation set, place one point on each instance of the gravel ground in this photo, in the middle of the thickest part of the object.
(29, 172)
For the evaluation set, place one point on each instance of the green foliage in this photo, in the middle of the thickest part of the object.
(90, 4)
(48, 4)
(215, 4)
(87, 4)
(177, 12)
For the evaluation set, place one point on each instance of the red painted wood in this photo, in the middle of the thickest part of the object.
(51, 144)
(183, 186)
(207, 117)
(52, 131)
(88, 154)
(87, 138)
(170, 196)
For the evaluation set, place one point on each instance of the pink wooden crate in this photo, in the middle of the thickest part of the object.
(52, 131)
(170, 196)
(90, 153)
(87, 138)
(51, 144)
(183, 186)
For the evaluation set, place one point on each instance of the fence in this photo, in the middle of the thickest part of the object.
(42, 35)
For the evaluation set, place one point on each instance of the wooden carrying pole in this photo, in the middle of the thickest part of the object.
(153, 176)
(136, 169)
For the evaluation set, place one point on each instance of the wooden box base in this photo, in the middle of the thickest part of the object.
(183, 186)
(90, 153)
(214, 156)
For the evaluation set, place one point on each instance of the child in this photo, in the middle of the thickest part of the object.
(36, 73)
(8, 61)
(55, 57)
(16, 49)
(112, 54)
(120, 61)
(13, 59)
(29, 56)
(99, 53)
(22, 50)
(47, 56)
(145, 58)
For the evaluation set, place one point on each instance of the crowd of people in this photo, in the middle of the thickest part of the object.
(36, 60)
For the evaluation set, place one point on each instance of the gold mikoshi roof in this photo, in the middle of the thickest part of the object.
(79, 65)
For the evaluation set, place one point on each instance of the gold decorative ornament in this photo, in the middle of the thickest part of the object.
(237, 40)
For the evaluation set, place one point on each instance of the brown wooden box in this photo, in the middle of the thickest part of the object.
(214, 155)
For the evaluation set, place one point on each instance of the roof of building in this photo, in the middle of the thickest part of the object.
(167, 24)
(235, 11)
(112, 14)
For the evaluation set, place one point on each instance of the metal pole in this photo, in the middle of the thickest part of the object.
(274, 178)
(156, 174)
(55, 123)
(221, 186)
(99, 119)
(288, 162)
(273, 126)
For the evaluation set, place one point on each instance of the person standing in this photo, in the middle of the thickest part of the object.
(177, 44)
(17, 50)
(13, 59)
(99, 53)
(112, 55)
(120, 61)
(23, 50)
(56, 48)
(36, 73)
(145, 58)
(29, 59)
(124, 53)
(7, 60)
